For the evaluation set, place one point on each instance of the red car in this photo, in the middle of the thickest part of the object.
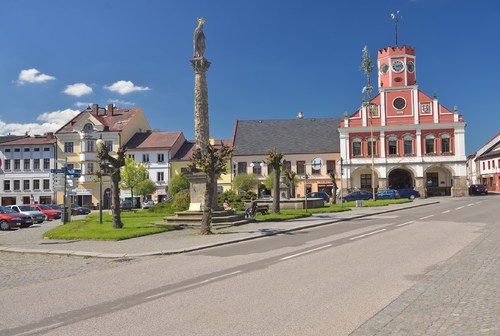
(48, 211)
(11, 219)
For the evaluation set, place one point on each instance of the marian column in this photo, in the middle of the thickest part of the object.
(200, 66)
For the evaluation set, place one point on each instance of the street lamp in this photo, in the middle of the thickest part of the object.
(99, 143)
(371, 109)
(341, 161)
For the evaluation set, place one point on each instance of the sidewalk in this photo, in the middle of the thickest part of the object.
(29, 240)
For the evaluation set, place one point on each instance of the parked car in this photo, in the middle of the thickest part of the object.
(358, 195)
(48, 211)
(478, 189)
(79, 210)
(125, 206)
(59, 207)
(148, 204)
(387, 194)
(408, 193)
(12, 219)
(319, 194)
(37, 216)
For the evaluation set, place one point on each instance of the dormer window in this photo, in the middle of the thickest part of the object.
(88, 127)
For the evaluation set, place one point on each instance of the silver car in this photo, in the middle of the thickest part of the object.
(38, 217)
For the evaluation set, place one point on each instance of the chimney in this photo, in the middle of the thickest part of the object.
(110, 109)
(95, 109)
(50, 135)
(300, 115)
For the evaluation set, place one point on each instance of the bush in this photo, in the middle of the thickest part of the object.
(234, 199)
(178, 183)
(181, 201)
(163, 208)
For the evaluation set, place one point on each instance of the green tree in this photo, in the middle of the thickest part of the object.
(212, 161)
(275, 159)
(245, 182)
(269, 181)
(145, 188)
(133, 174)
(178, 183)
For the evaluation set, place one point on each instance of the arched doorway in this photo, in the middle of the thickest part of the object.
(400, 179)
(438, 181)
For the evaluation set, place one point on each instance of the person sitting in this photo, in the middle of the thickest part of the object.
(227, 206)
(250, 210)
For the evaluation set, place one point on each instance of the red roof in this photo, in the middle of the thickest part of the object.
(153, 140)
(29, 140)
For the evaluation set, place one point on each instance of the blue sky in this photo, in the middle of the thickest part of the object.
(270, 59)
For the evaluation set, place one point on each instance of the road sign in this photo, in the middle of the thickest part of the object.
(58, 171)
(74, 171)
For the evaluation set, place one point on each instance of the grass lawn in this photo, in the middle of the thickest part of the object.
(134, 225)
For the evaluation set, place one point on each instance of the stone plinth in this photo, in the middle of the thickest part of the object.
(197, 188)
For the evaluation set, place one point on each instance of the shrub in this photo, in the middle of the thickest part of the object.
(181, 201)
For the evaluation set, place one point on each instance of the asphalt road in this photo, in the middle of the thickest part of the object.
(323, 281)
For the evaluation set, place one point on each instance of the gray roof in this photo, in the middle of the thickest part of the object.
(289, 136)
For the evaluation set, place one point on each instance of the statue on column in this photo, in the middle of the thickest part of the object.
(199, 40)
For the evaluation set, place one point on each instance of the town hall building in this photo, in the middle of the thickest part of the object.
(406, 137)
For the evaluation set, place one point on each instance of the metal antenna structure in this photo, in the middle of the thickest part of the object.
(395, 17)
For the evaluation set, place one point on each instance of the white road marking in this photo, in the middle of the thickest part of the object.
(193, 285)
(427, 217)
(446, 211)
(478, 202)
(367, 234)
(460, 208)
(308, 251)
(405, 223)
(470, 204)
(52, 326)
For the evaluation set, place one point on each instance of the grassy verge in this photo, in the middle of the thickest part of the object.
(134, 225)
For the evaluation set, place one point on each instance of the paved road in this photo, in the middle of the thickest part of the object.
(323, 281)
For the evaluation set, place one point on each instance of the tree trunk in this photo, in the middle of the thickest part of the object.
(115, 179)
(276, 189)
(206, 220)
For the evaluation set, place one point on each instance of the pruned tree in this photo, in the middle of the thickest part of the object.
(275, 159)
(212, 161)
(132, 175)
(291, 180)
(115, 165)
(333, 177)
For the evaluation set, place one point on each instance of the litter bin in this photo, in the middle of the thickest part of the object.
(360, 203)
(66, 215)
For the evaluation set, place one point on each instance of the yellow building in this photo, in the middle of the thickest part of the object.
(76, 144)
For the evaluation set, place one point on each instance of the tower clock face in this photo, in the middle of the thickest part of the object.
(384, 68)
(410, 66)
(398, 66)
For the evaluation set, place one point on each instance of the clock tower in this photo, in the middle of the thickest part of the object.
(396, 67)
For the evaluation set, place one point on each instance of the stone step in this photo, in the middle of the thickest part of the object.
(217, 213)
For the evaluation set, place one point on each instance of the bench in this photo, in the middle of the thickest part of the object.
(256, 208)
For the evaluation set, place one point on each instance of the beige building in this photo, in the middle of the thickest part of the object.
(76, 144)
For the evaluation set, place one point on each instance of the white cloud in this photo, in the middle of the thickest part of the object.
(123, 87)
(121, 102)
(50, 122)
(78, 89)
(82, 104)
(33, 76)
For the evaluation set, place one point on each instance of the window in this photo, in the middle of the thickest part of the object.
(330, 166)
(46, 163)
(46, 184)
(484, 165)
(17, 185)
(160, 176)
(70, 165)
(26, 184)
(17, 150)
(432, 180)
(109, 145)
(392, 145)
(7, 150)
(301, 167)
(36, 164)
(90, 168)
(242, 167)
(489, 165)
(46, 149)
(445, 143)
(257, 168)
(184, 170)
(90, 144)
(36, 149)
(408, 144)
(269, 169)
(26, 149)
(429, 144)
(160, 157)
(145, 157)
(6, 185)
(27, 164)
(132, 156)
(366, 181)
(68, 147)
(372, 144)
(287, 165)
(36, 184)
(17, 164)
(356, 147)
(7, 164)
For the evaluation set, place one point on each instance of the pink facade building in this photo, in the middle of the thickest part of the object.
(405, 136)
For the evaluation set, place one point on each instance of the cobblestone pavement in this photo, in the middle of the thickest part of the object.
(22, 269)
(461, 296)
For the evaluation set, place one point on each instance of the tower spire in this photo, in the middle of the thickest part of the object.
(395, 17)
